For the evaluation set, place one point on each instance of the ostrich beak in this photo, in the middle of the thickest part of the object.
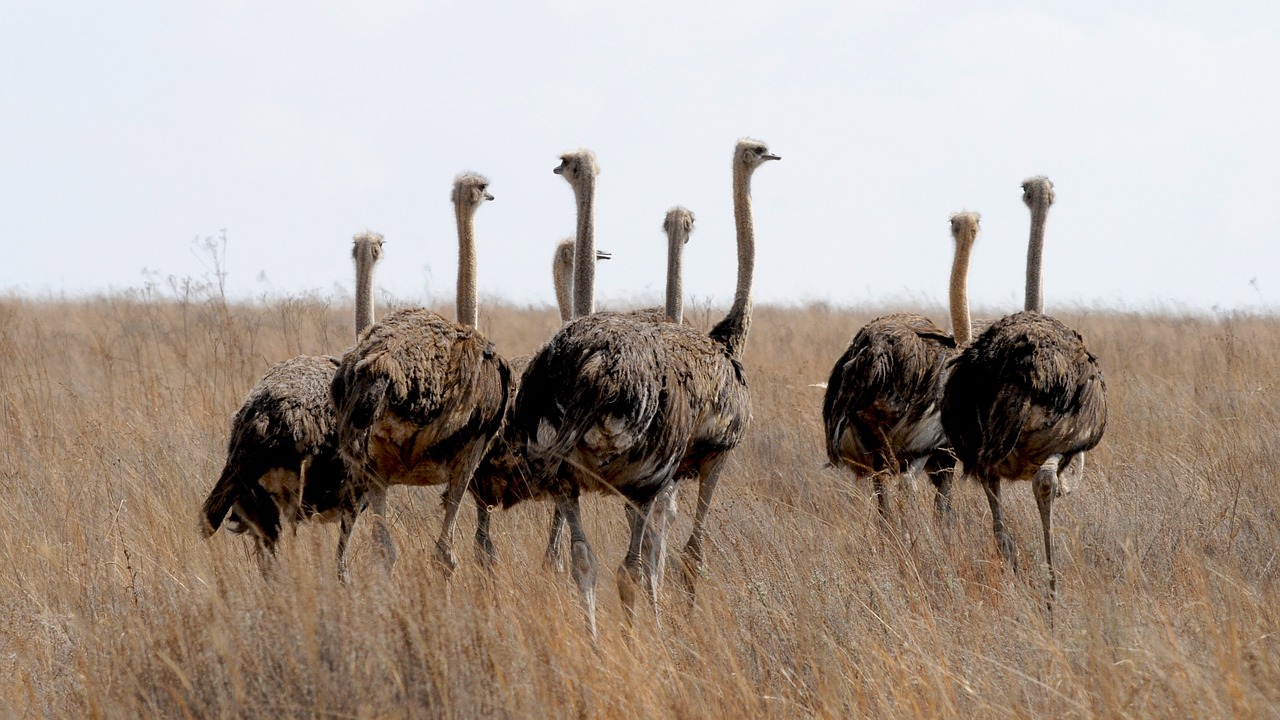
(488, 196)
(603, 255)
(770, 156)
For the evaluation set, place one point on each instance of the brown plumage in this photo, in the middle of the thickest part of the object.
(420, 398)
(678, 226)
(884, 395)
(1025, 400)
(282, 459)
(501, 467)
(882, 400)
(616, 403)
(1022, 402)
(607, 405)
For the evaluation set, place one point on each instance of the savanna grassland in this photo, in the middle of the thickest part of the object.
(113, 423)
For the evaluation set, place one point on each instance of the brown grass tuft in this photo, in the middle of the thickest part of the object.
(114, 417)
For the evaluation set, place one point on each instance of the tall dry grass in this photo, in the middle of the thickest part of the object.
(114, 418)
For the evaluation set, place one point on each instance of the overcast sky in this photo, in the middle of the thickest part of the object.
(129, 129)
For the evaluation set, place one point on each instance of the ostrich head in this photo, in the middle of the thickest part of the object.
(964, 227)
(678, 219)
(470, 189)
(577, 166)
(564, 253)
(566, 250)
(751, 154)
(1036, 190)
(368, 245)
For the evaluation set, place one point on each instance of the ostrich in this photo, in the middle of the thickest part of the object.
(562, 276)
(1037, 193)
(420, 398)
(282, 457)
(678, 225)
(1025, 399)
(500, 463)
(615, 403)
(500, 470)
(881, 409)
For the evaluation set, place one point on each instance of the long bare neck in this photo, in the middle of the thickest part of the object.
(562, 276)
(961, 322)
(466, 306)
(732, 330)
(364, 290)
(1035, 250)
(676, 239)
(584, 266)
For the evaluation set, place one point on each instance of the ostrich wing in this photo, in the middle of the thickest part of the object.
(887, 380)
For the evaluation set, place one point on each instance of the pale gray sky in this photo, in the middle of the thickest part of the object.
(128, 129)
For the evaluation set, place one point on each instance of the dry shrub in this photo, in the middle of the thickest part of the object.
(114, 422)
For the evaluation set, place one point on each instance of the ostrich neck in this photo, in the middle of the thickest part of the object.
(562, 274)
(468, 312)
(732, 330)
(584, 267)
(364, 292)
(961, 323)
(1035, 250)
(675, 287)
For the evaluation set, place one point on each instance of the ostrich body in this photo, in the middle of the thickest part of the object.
(1025, 399)
(881, 411)
(678, 226)
(282, 456)
(420, 398)
(500, 465)
(615, 403)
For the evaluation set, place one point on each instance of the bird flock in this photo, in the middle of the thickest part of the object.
(635, 404)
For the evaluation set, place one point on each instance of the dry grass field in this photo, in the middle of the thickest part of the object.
(113, 423)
